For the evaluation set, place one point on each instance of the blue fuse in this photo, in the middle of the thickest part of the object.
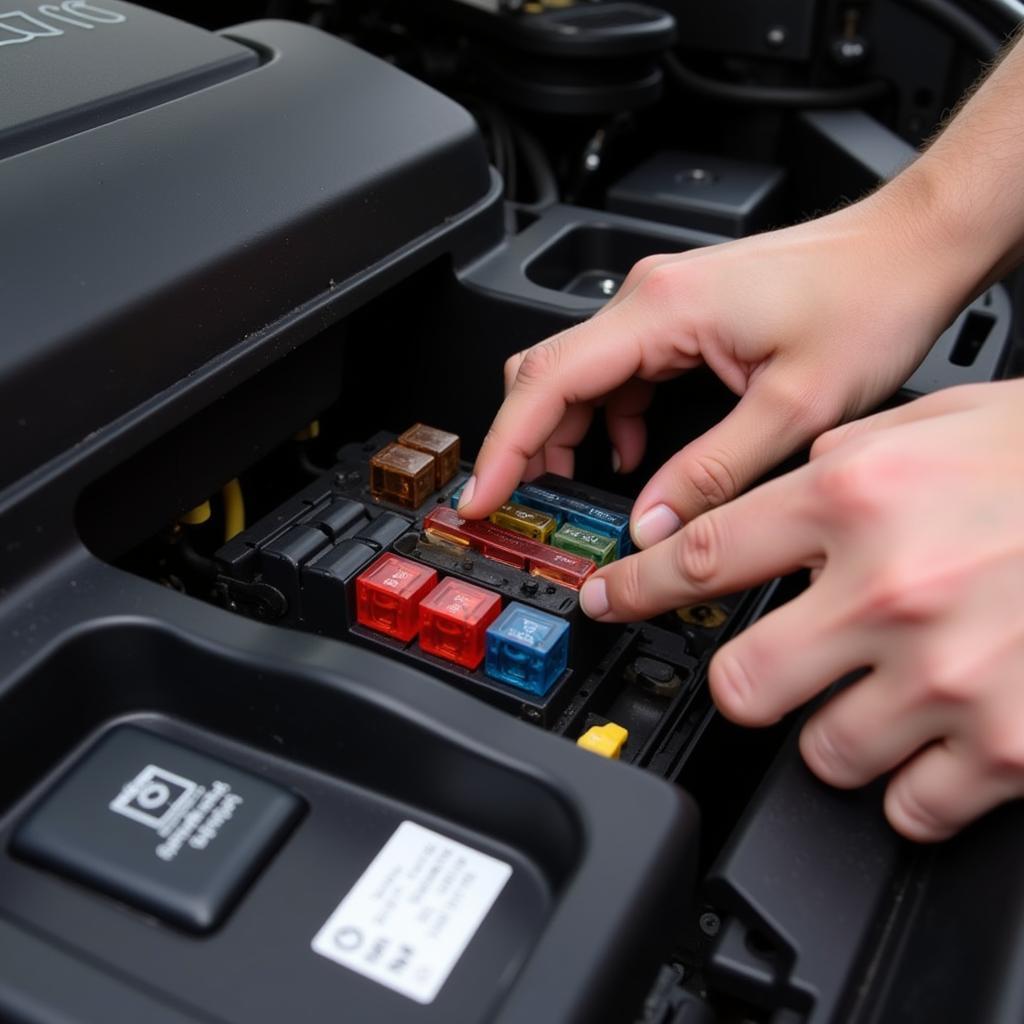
(526, 648)
(566, 509)
(456, 496)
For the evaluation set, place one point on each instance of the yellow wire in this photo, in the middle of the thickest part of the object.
(234, 509)
(197, 515)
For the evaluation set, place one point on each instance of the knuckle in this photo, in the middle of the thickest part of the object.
(627, 589)
(848, 488)
(831, 751)
(943, 681)
(912, 814)
(903, 595)
(712, 480)
(732, 686)
(538, 364)
(698, 549)
(660, 283)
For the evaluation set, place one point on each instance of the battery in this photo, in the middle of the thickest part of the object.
(513, 549)
(402, 475)
(527, 648)
(598, 546)
(565, 509)
(388, 595)
(454, 618)
(527, 521)
(444, 448)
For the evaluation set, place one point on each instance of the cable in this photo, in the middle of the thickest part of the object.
(773, 95)
(545, 185)
(234, 509)
(948, 15)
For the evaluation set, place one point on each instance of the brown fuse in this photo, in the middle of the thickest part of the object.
(401, 475)
(439, 443)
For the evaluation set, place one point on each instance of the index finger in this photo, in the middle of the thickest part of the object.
(765, 533)
(581, 364)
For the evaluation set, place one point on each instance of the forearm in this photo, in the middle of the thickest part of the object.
(962, 202)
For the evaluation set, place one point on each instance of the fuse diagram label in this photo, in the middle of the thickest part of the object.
(408, 919)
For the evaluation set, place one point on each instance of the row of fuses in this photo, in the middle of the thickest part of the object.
(462, 623)
(543, 517)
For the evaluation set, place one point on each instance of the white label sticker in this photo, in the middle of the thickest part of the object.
(414, 910)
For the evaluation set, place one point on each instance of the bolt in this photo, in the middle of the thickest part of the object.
(709, 923)
(607, 286)
(530, 587)
(776, 36)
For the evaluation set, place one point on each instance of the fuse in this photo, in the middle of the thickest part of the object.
(606, 740)
(565, 509)
(527, 648)
(456, 496)
(454, 618)
(598, 546)
(444, 448)
(513, 549)
(388, 595)
(527, 521)
(402, 475)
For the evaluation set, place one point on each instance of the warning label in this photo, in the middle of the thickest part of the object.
(412, 913)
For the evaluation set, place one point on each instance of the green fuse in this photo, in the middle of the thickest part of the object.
(527, 521)
(595, 546)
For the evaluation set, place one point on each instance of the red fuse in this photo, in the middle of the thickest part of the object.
(388, 595)
(453, 621)
(508, 547)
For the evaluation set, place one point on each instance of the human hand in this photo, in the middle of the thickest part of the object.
(810, 325)
(913, 520)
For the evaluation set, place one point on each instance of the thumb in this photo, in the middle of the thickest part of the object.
(771, 421)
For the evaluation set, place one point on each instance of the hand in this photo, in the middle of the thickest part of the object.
(810, 325)
(913, 521)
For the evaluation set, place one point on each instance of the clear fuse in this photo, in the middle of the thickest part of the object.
(454, 618)
(527, 648)
(402, 475)
(527, 521)
(388, 595)
(442, 446)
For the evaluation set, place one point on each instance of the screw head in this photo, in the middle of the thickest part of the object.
(776, 36)
(709, 923)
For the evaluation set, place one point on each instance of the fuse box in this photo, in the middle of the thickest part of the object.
(489, 606)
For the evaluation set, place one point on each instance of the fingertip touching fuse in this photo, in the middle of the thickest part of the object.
(527, 648)
(454, 618)
(527, 521)
(605, 740)
(388, 595)
(442, 446)
(445, 524)
(402, 475)
(597, 546)
(566, 509)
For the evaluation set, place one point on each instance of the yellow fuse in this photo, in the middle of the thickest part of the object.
(401, 475)
(443, 446)
(606, 740)
(526, 521)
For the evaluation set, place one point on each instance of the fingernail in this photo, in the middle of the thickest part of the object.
(594, 598)
(616, 461)
(467, 493)
(655, 525)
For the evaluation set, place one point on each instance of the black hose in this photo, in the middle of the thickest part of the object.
(545, 185)
(950, 16)
(772, 95)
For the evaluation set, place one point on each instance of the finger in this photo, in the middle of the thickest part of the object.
(559, 454)
(785, 658)
(624, 414)
(939, 404)
(637, 273)
(765, 427)
(763, 534)
(940, 791)
(580, 365)
(868, 729)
